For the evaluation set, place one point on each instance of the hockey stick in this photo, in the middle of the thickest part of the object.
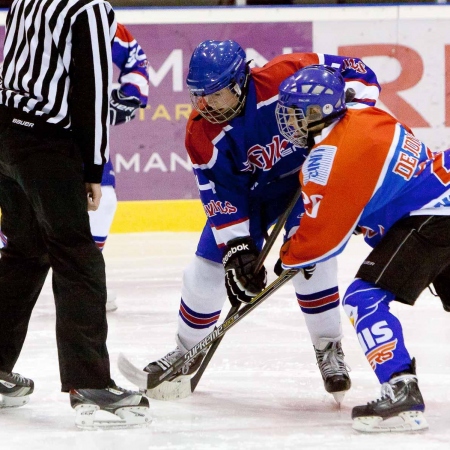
(141, 378)
(260, 262)
(196, 378)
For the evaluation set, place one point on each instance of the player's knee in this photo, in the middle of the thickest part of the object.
(204, 275)
(324, 278)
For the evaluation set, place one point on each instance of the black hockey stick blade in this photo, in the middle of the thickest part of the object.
(142, 379)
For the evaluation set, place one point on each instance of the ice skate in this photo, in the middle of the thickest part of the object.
(111, 297)
(330, 359)
(177, 385)
(400, 408)
(15, 390)
(112, 407)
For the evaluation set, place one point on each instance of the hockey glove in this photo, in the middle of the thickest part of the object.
(278, 269)
(350, 94)
(121, 108)
(240, 263)
(307, 271)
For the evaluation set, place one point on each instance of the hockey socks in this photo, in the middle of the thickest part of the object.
(379, 331)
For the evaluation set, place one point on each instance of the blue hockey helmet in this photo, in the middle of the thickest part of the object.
(313, 96)
(217, 66)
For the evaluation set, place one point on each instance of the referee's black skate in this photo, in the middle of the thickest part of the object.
(176, 385)
(15, 390)
(330, 359)
(400, 407)
(113, 407)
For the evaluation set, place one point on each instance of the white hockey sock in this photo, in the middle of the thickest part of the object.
(318, 298)
(101, 220)
(202, 297)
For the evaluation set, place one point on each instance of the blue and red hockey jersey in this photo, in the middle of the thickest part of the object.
(245, 158)
(132, 62)
(129, 57)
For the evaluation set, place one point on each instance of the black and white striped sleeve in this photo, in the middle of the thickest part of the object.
(91, 77)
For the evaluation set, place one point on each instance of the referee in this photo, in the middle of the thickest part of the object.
(54, 111)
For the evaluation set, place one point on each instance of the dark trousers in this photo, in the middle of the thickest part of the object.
(44, 216)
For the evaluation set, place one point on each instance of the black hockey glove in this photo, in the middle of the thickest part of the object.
(240, 263)
(350, 94)
(122, 109)
(307, 271)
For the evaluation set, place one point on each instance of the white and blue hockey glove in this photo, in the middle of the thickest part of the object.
(239, 261)
(122, 109)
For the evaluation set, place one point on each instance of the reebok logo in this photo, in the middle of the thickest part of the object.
(234, 250)
(23, 123)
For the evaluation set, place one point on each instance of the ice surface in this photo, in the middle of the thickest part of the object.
(262, 389)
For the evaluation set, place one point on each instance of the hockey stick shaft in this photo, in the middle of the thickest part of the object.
(276, 230)
(260, 262)
(196, 378)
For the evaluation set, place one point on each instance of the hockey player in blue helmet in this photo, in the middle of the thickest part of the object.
(217, 80)
(401, 215)
(247, 173)
(321, 101)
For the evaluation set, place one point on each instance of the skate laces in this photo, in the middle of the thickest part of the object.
(17, 378)
(331, 361)
(166, 361)
(387, 389)
(386, 392)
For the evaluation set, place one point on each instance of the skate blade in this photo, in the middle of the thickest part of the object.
(91, 417)
(13, 402)
(339, 397)
(171, 390)
(405, 421)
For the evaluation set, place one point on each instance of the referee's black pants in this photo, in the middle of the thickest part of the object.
(44, 216)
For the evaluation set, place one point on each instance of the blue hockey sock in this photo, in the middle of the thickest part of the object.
(379, 331)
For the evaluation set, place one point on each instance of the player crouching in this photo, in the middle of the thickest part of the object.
(401, 217)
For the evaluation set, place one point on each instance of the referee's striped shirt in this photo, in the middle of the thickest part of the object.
(58, 65)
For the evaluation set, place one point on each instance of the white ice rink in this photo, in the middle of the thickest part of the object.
(262, 389)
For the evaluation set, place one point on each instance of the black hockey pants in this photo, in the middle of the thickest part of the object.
(44, 216)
